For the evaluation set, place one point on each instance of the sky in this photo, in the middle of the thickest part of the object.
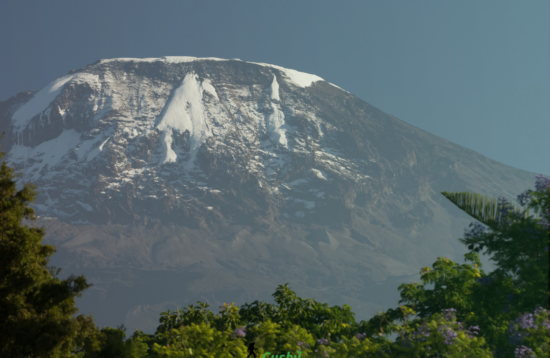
(473, 72)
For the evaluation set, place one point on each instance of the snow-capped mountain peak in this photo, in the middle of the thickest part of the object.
(199, 141)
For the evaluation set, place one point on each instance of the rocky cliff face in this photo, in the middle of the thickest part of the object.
(237, 177)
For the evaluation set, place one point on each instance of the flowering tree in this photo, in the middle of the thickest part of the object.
(530, 330)
(517, 241)
(440, 335)
(519, 244)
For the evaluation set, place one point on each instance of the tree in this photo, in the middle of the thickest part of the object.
(113, 345)
(518, 242)
(36, 307)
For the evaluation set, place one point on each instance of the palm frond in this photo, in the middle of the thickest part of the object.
(481, 208)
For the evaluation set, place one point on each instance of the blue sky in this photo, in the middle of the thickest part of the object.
(473, 72)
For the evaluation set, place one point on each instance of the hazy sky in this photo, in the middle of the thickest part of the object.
(473, 72)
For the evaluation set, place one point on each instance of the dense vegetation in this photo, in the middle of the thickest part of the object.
(467, 314)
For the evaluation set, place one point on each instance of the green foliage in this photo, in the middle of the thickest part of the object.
(199, 341)
(452, 285)
(317, 318)
(267, 336)
(112, 343)
(36, 307)
(295, 339)
(354, 347)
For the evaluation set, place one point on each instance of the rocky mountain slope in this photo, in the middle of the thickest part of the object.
(178, 179)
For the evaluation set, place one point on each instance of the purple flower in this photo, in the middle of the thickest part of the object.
(239, 332)
(472, 331)
(542, 184)
(448, 334)
(360, 336)
(524, 321)
(303, 344)
(323, 341)
(540, 310)
(422, 332)
(524, 352)
(449, 314)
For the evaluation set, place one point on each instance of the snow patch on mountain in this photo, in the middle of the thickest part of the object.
(207, 86)
(166, 59)
(169, 155)
(48, 153)
(307, 203)
(319, 174)
(185, 112)
(299, 79)
(86, 147)
(94, 152)
(85, 206)
(275, 89)
(276, 126)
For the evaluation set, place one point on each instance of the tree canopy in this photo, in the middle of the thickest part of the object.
(36, 307)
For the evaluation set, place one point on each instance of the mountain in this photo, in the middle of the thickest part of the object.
(171, 180)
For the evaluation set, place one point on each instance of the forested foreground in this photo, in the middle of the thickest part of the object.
(467, 314)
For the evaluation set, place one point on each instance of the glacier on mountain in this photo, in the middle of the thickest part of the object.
(44, 156)
(185, 112)
(176, 136)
